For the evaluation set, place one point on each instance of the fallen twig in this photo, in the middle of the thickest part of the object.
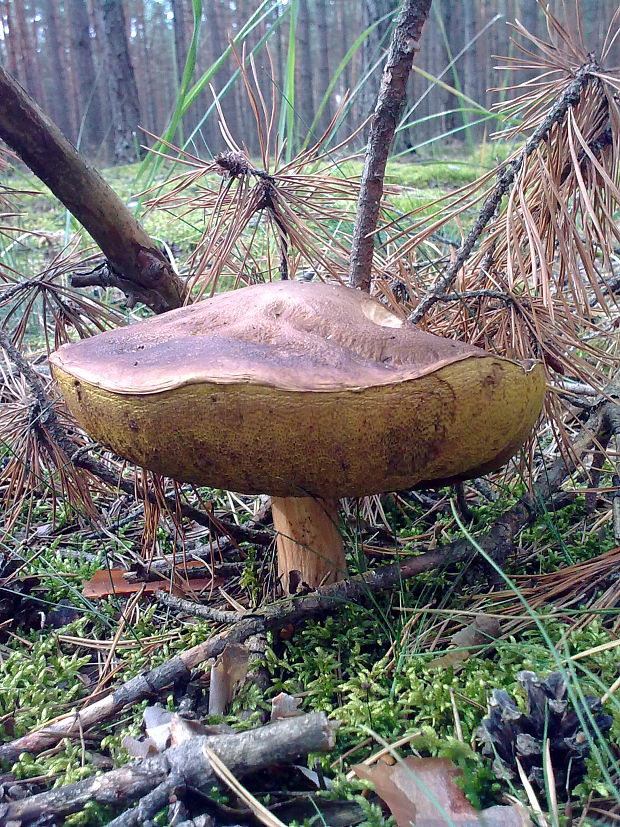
(283, 742)
(152, 803)
(199, 609)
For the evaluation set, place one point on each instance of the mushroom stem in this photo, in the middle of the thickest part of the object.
(309, 540)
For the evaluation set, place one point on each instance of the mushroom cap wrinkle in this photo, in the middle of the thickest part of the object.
(297, 389)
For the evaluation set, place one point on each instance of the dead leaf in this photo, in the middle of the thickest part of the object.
(481, 632)
(105, 582)
(166, 729)
(229, 668)
(421, 792)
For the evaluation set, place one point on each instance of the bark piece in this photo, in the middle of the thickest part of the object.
(105, 582)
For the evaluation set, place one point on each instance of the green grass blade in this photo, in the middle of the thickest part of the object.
(286, 124)
(186, 95)
(336, 76)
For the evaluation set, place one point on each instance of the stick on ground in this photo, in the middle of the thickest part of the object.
(283, 742)
(568, 98)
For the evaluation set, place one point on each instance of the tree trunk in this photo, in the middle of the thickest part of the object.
(217, 24)
(89, 103)
(9, 39)
(137, 266)
(322, 55)
(58, 102)
(180, 41)
(121, 85)
(306, 70)
(25, 51)
(346, 82)
(100, 105)
(180, 47)
(144, 67)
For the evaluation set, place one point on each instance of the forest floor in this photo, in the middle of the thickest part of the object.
(408, 666)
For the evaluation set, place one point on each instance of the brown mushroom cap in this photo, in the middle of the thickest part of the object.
(298, 389)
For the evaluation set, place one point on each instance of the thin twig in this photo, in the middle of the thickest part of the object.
(390, 103)
(199, 609)
(151, 803)
(570, 97)
(481, 294)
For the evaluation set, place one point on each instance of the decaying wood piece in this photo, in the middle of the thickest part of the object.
(135, 265)
(390, 103)
(283, 742)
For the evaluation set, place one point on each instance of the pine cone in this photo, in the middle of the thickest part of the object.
(510, 735)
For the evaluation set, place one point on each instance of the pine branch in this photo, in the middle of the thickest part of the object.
(570, 97)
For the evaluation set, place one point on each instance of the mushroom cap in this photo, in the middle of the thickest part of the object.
(297, 389)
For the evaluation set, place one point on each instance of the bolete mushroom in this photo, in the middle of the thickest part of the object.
(306, 392)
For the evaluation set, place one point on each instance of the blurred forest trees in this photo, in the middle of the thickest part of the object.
(101, 68)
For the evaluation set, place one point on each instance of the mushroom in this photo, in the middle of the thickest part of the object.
(307, 392)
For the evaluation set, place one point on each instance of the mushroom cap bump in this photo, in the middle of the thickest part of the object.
(298, 389)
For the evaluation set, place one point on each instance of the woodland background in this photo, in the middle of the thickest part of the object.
(505, 588)
(101, 68)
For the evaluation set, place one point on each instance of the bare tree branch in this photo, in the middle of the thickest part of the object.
(283, 742)
(390, 102)
(569, 97)
(140, 269)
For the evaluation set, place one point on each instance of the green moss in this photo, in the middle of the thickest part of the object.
(332, 665)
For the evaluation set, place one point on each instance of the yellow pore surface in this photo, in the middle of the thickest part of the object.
(458, 421)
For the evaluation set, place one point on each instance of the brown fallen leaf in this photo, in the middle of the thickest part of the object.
(483, 631)
(421, 792)
(284, 706)
(165, 729)
(105, 582)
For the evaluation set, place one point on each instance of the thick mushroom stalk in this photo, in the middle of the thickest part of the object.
(310, 547)
(306, 392)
